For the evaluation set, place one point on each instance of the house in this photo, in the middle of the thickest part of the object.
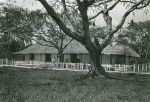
(76, 53)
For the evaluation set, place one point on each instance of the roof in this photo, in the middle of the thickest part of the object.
(119, 50)
(76, 47)
(37, 49)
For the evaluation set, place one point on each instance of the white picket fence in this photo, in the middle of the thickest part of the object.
(48, 65)
(6, 62)
(136, 68)
(55, 65)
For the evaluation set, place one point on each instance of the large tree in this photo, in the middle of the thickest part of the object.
(16, 27)
(19, 23)
(8, 46)
(83, 7)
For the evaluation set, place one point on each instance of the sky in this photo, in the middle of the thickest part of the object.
(117, 13)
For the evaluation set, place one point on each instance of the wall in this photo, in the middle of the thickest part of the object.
(113, 59)
(85, 58)
(27, 57)
(67, 58)
(37, 57)
(105, 59)
(127, 60)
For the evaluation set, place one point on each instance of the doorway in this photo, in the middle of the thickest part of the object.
(48, 58)
(74, 58)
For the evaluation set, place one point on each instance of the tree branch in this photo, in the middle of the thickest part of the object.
(46, 41)
(125, 1)
(66, 13)
(96, 15)
(78, 2)
(55, 17)
(64, 5)
(110, 34)
(67, 44)
(43, 44)
(90, 2)
(106, 10)
(112, 6)
(140, 7)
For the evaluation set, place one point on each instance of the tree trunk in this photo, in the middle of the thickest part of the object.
(98, 69)
(95, 58)
(60, 56)
(146, 55)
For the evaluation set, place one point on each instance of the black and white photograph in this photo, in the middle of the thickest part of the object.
(74, 50)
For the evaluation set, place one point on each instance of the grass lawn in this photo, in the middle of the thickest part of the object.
(41, 85)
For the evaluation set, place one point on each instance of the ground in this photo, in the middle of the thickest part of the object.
(42, 85)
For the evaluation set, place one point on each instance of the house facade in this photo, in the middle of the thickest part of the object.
(76, 53)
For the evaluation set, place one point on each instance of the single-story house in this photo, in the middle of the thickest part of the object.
(76, 53)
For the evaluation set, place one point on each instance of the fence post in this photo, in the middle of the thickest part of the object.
(6, 61)
(63, 65)
(125, 68)
(142, 67)
(81, 67)
(138, 67)
(1, 61)
(146, 67)
(134, 68)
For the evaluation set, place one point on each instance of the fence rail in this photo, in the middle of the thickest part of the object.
(136, 68)
(55, 65)
(48, 65)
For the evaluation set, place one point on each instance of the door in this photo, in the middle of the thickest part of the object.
(120, 59)
(48, 58)
(74, 58)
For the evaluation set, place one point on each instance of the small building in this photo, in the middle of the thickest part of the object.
(76, 53)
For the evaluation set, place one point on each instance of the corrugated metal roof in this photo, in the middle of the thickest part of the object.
(76, 47)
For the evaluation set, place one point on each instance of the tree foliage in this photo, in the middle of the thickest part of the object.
(137, 36)
(16, 27)
(49, 34)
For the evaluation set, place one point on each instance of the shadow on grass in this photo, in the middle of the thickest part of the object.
(131, 77)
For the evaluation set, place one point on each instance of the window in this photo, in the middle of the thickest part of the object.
(120, 59)
(74, 58)
(111, 60)
(31, 56)
(19, 57)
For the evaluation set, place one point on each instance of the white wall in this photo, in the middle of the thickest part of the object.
(27, 58)
(67, 58)
(85, 58)
(39, 57)
(105, 59)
